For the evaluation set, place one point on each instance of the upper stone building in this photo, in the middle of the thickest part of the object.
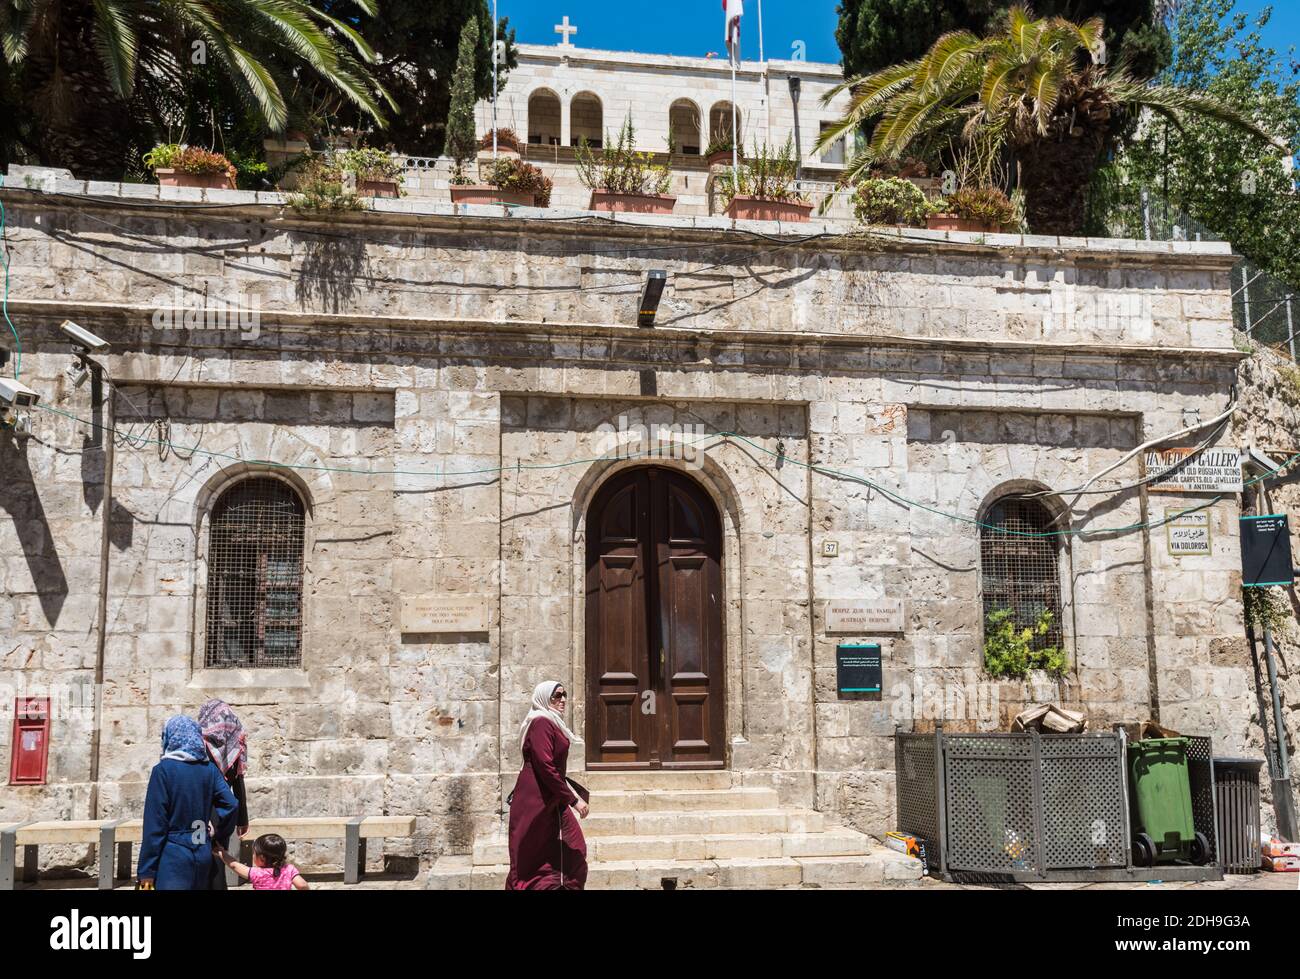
(562, 94)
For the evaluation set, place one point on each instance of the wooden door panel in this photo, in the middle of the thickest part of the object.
(617, 638)
(654, 624)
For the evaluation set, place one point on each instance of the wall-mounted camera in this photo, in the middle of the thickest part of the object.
(15, 395)
(83, 338)
(15, 399)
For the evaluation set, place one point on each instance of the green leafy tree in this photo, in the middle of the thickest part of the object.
(1037, 86)
(418, 42)
(874, 34)
(1230, 183)
(462, 146)
(89, 84)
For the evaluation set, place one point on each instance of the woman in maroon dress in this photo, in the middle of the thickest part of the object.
(547, 849)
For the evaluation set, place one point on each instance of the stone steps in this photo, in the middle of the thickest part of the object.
(879, 868)
(703, 823)
(682, 800)
(720, 846)
(703, 830)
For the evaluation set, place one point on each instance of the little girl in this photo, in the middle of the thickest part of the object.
(269, 872)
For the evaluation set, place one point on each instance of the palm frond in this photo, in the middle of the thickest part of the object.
(115, 39)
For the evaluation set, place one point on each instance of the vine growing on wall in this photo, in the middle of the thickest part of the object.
(1267, 607)
(1010, 651)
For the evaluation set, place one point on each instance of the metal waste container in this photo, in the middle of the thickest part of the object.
(1236, 796)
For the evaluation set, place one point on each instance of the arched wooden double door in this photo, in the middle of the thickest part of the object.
(654, 624)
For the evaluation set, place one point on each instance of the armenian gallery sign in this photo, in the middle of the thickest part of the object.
(1188, 471)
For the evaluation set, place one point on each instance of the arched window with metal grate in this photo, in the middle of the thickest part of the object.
(1020, 565)
(255, 547)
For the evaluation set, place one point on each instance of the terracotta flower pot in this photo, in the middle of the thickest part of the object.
(487, 194)
(950, 222)
(758, 209)
(378, 188)
(722, 158)
(632, 203)
(207, 181)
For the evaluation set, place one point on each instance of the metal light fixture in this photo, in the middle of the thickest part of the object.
(654, 291)
(795, 84)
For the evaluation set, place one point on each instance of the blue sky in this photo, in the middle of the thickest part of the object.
(694, 27)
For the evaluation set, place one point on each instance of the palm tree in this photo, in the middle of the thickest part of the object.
(96, 74)
(1040, 86)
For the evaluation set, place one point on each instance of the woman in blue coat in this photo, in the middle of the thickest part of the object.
(184, 789)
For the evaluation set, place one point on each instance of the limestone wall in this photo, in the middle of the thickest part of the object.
(415, 364)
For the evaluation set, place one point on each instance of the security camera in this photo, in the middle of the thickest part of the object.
(84, 338)
(17, 395)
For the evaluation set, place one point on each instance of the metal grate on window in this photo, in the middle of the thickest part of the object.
(255, 576)
(1021, 572)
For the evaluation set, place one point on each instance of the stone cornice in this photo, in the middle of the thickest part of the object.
(433, 217)
(109, 314)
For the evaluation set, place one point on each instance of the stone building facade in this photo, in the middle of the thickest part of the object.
(446, 395)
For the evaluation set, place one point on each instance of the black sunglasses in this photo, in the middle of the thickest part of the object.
(559, 694)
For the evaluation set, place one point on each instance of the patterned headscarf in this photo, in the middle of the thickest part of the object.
(542, 694)
(182, 739)
(225, 736)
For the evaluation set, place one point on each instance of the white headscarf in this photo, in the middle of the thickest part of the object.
(542, 694)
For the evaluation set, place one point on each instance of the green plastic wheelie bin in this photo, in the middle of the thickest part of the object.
(1162, 804)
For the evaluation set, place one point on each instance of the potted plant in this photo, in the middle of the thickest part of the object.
(621, 179)
(984, 209)
(507, 140)
(378, 174)
(764, 188)
(320, 189)
(176, 165)
(891, 200)
(718, 152)
(507, 181)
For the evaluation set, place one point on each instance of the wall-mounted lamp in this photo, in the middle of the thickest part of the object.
(796, 83)
(654, 291)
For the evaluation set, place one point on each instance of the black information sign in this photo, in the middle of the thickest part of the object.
(857, 668)
(1265, 551)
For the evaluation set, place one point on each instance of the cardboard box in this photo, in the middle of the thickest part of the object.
(1282, 864)
(1276, 848)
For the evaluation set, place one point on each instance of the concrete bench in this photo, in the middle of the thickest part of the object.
(115, 837)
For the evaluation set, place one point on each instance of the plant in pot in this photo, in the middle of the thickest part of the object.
(321, 190)
(176, 165)
(377, 173)
(891, 200)
(621, 179)
(764, 188)
(507, 139)
(718, 152)
(983, 209)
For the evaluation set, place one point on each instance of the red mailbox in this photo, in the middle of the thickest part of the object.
(31, 744)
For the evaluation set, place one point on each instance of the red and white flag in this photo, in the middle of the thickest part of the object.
(732, 11)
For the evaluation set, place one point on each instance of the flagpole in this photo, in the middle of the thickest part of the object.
(495, 48)
(735, 134)
(761, 59)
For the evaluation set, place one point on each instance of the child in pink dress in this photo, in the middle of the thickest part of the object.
(270, 871)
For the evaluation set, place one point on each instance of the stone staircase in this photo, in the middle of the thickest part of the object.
(699, 830)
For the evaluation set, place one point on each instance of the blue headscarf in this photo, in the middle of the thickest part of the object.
(182, 739)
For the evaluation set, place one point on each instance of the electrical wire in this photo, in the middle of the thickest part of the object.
(1084, 489)
(4, 304)
(720, 438)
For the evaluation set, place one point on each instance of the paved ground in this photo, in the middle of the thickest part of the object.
(383, 882)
